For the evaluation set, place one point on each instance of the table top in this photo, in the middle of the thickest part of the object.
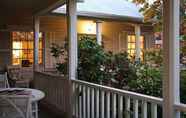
(36, 94)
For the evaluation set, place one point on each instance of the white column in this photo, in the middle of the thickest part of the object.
(171, 79)
(44, 51)
(36, 43)
(72, 38)
(99, 32)
(137, 45)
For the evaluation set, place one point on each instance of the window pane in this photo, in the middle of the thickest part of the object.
(17, 45)
(40, 45)
(23, 47)
(132, 46)
(30, 44)
(17, 53)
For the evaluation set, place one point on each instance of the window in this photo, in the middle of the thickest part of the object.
(131, 45)
(22, 47)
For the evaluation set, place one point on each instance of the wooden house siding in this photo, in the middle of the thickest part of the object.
(55, 30)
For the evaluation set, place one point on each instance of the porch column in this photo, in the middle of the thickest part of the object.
(72, 38)
(171, 86)
(36, 43)
(137, 45)
(44, 51)
(99, 32)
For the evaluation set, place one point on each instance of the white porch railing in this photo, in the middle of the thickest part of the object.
(57, 92)
(97, 101)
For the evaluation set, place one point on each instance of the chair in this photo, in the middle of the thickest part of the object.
(19, 76)
(15, 106)
(4, 81)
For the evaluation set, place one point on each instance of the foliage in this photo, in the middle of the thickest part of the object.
(119, 70)
(153, 12)
(57, 51)
(62, 68)
(91, 58)
(153, 57)
(183, 86)
(148, 80)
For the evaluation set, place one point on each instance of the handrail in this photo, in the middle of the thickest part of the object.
(180, 107)
(135, 95)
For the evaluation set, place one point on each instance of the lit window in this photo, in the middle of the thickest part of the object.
(22, 47)
(131, 45)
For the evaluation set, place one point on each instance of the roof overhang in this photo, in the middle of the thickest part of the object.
(105, 9)
(93, 15)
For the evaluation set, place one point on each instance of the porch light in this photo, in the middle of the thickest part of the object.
(86, 27)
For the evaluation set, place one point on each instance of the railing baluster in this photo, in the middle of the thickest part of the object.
(153, 110)
(80, 101)
(113, 105)
(97, 103)
(84, 102)
(76, 99)
(120, 106)
(127, 107)
(92, 104)
(135, 108)
(102, 104)
(88, 102)
(108, 105)
(144, 109)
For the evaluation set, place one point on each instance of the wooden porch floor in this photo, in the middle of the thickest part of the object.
(46, 113)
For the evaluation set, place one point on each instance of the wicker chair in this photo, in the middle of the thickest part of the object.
(4, 81)
(15, 106)
(19, 76)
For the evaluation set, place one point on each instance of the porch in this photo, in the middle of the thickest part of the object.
(76, 98)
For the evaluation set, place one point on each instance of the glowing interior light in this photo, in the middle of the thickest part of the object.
(86, 27)
(17, 53)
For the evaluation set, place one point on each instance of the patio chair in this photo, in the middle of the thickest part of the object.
(15, 106)
(18, 75)
(4, 81)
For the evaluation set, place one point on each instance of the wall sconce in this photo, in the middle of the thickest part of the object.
(86, 27)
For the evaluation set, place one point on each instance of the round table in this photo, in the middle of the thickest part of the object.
(37, 95)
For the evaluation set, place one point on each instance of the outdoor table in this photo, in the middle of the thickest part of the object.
(37, 95)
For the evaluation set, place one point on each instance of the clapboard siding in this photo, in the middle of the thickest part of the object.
(55, 29)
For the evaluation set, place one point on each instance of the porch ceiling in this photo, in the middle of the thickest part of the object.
(13, 10)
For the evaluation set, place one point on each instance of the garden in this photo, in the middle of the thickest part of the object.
(117, 70)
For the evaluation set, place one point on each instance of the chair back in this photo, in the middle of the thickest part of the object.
(14, 72)
(15, 106)
(4, 81)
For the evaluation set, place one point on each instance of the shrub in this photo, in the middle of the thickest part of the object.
(91, 58)
(148, 80)
(183, 86)
(60, 54)
(117, 70)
